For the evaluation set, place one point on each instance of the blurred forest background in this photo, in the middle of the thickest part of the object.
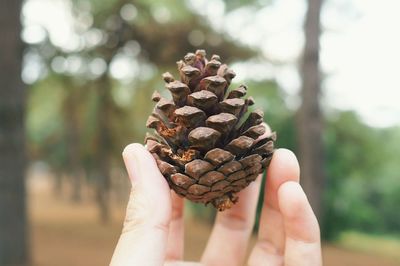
(88, 82)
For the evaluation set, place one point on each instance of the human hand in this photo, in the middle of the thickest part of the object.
(153, 229)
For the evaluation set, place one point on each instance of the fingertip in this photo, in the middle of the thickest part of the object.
(288, 158)
(284, 166)
(288, 153)
(132, 149)
(130, 154)
(142, 167)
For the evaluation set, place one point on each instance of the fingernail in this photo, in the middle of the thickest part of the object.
(132, 163)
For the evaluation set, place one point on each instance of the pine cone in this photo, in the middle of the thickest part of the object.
(203, 146)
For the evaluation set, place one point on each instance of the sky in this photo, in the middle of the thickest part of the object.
(360, 55)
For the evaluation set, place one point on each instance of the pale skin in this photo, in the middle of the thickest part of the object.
(153, 228)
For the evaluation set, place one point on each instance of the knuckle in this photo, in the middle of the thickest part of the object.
(142, 212)
(137, 211)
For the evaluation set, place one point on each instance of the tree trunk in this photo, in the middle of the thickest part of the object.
(58, 184)
(71, 120)
(104, 146)
(309, 119)
(13, 220)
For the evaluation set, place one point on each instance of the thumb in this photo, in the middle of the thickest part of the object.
(144, 236)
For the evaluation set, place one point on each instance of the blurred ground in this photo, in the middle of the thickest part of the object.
(67, 234)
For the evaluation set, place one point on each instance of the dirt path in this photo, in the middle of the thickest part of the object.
(63, 234)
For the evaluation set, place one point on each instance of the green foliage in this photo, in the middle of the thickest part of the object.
(44, 115)
(363, 172)
(235, 4)
(44, 124)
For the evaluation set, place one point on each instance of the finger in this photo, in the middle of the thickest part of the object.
(182, 263)
(176, 230)
(144, 237)
(301, 226)
(234, 226)
(271, 236)
(284, 167)
(229, 239)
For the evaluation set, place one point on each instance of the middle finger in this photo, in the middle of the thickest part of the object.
(176, 230)
(229, 239)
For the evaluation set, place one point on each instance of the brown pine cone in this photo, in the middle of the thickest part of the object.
(203, 146)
